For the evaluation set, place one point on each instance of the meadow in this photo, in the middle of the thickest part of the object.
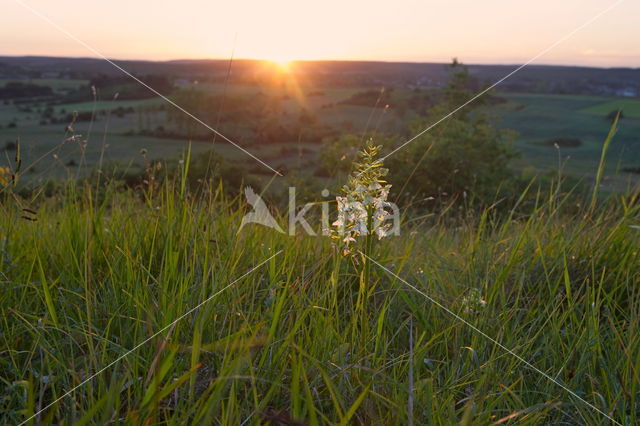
(119, 137)
(150, 302)
(538, 118)
(151, 306)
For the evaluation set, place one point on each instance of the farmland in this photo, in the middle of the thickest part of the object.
(119, 129)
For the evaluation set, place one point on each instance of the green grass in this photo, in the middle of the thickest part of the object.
(304, 336)
(49, 154)
(538, 118)
(630, 108)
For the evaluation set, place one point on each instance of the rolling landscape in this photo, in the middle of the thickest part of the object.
(342, 213)
(285, 115)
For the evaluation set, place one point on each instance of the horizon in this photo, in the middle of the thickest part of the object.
(221, 59)
(495, 33)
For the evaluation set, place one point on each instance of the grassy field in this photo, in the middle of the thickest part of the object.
(629, 107)
(154, 308)
(536, 118)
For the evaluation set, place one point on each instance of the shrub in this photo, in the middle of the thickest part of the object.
(465, 154)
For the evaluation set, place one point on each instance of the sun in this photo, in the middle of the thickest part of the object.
(282, 63)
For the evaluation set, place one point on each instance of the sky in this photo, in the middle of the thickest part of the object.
(488, 31)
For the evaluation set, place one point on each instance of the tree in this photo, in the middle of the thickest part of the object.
(338, 155)
(465, 153)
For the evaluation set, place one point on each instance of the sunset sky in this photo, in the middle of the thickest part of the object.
(492, 31)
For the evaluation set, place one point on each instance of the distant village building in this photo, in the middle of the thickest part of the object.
(627, 92)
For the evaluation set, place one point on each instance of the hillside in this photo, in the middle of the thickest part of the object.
(152, 307)
(288, 116)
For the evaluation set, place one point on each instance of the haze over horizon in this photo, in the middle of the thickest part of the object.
(235, 59)
(496, 32)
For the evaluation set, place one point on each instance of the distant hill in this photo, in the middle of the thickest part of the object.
(531, 79)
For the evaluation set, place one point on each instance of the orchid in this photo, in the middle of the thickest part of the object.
(473, 302)
(362, 209)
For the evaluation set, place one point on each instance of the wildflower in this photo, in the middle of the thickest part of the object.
(473, 301)
(362, 210)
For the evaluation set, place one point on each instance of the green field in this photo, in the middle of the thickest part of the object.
(106, 105)
(541, 117)
(536, 119)
(629, 107)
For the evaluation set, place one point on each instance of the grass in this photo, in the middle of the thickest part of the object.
(630, 108)
(148, 306)
(538, 118)
(299, 339)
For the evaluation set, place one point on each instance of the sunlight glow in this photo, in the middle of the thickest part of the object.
(283, 64)
(500, 31)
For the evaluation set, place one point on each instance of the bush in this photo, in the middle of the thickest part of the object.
(463, 155)
(337, 155)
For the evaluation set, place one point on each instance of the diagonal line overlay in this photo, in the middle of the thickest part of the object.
(483, 92)
(148, 339)
(96, 52)
(494, 341)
